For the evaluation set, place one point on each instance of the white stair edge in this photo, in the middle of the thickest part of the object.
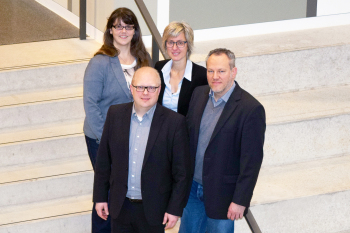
(37, 96)
(46, 209)
(44, 169)
(36, 132)
(303, 179)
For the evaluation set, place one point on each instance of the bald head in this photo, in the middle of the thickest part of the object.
(144, 98)
(146, 73)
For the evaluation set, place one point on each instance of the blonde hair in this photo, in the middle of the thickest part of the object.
(176, 28)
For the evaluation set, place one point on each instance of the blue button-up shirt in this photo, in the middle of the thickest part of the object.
(170, 100)
(210, 117)
(139, 131)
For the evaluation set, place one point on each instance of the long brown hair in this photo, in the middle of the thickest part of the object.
(137, 48)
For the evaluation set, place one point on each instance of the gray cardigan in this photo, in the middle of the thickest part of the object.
(104, 85)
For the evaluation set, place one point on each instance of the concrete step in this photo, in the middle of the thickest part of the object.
(42, 76)
(305, 197)
(37, 96)
(43, 169)
(36, 150)
(43, 142)
(47, 180)
(287, 61)
(41, 112)
(45, 64)
(43, 131)
(71, 214)
(46, 52)
(306, 125)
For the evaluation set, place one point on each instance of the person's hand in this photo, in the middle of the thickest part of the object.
(102, 210)
(235, 211)
(170, 220)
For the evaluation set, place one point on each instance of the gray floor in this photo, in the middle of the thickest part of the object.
(23, 21)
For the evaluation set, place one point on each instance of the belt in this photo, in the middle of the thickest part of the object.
(135, 200)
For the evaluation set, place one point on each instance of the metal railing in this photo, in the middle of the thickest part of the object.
(82, 19)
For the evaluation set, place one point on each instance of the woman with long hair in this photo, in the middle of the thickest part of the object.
(107, 81)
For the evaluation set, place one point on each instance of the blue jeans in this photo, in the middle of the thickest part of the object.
(195, 219)
(98, 225)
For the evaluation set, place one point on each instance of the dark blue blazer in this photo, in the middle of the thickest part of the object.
(234, 154)
(166, 170)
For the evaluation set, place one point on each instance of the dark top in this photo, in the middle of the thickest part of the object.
(234, 154)
(199, 78)
(166, 168)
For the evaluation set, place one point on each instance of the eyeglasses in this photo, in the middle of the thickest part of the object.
(150, 89)
(179, 44)
(127, 27)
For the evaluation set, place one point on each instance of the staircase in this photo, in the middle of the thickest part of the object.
(45, 176)
(302, 78)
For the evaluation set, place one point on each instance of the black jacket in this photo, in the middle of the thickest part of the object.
(199, 78)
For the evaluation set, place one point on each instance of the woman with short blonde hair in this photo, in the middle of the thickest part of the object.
(179, 75)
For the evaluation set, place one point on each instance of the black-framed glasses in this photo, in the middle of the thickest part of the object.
(127, 27)
(179, 44)
(150, 89)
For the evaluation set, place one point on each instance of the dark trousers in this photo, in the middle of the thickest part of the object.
(98, 225)
(132, 219)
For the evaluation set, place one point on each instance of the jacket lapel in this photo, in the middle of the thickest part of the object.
(119, 75)
(200, 106)
(185, 89)
(124, 129)
(229, 108)
(156, 125)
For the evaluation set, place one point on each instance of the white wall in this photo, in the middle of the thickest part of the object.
(322, 20)
(330, 7)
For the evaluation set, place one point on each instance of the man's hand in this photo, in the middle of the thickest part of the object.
(235, 211)
(169, 220)
(102, 210)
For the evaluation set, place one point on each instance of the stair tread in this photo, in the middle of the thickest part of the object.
(41, 95)
(36, 132)
(47, 209)
(45, 52)
(317, 177)
(276, 42)
(45, 169)
(305, 105)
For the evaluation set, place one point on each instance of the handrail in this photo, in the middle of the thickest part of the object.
(253, 225)
(82, 20)
(152, 27)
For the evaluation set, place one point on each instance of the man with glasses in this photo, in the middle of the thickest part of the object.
(227, 127)
(143, 161)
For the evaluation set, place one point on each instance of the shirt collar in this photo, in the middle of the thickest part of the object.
(225, 97)
(167, 68)
(148, 114)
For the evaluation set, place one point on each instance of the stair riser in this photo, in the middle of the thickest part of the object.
(40, 113)
(318, 214)
(306, 140)
(42, 150)
(42, 77)
(292, 71)
(79, 223)
(45, 189)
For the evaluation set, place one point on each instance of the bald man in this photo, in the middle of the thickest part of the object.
(143, 161)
